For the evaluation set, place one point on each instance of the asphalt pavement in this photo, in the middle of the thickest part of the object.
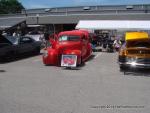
(27, 86)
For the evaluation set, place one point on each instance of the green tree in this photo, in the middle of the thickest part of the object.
(10, 6)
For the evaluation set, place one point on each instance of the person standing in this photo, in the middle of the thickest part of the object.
(117, 44)
(14, 34)
(46, 36)
(4, 33)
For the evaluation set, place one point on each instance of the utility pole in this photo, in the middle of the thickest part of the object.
(37, 19)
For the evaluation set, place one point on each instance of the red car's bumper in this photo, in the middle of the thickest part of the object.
(52, 57)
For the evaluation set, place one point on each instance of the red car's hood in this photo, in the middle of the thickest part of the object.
(71, 45)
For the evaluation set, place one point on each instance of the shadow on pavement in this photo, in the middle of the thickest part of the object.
(2, 71)
(17, 58)
(137, 72)
(91, 58)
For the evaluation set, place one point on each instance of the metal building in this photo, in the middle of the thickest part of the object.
(66, 18)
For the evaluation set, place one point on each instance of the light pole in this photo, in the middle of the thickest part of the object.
(37, 17)
(54, 28)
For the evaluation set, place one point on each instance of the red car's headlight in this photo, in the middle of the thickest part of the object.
(45, 53)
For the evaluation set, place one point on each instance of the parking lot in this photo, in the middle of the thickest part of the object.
(27, 86)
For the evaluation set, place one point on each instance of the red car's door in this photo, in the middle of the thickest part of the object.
(84, 46)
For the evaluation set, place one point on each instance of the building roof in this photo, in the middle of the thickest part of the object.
(136, 7)
(72, 15)
(6, 23)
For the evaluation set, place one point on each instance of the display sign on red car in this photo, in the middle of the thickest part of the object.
(69, 60)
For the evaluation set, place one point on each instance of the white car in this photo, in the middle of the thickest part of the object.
(36, 36)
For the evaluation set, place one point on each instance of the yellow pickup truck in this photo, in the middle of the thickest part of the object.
(135, 52)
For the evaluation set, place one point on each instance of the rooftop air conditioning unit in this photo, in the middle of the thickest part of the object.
(86, 8)
(129, 7)
(47, 10)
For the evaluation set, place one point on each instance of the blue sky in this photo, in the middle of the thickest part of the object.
(29, 4)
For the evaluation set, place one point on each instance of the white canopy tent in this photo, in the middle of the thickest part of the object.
(114, 24)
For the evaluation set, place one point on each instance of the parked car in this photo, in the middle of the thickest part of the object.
(6, 48)
(70, 48)
(37, 36)
(135, 52)
(11, 46)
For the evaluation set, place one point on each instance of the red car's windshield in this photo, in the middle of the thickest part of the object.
(69, 38)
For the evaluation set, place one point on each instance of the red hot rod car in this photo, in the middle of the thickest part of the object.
(70, 48)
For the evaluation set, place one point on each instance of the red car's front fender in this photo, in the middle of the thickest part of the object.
(51, 57)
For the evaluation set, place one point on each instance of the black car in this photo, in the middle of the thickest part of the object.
(11, 46)
(6, 47)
